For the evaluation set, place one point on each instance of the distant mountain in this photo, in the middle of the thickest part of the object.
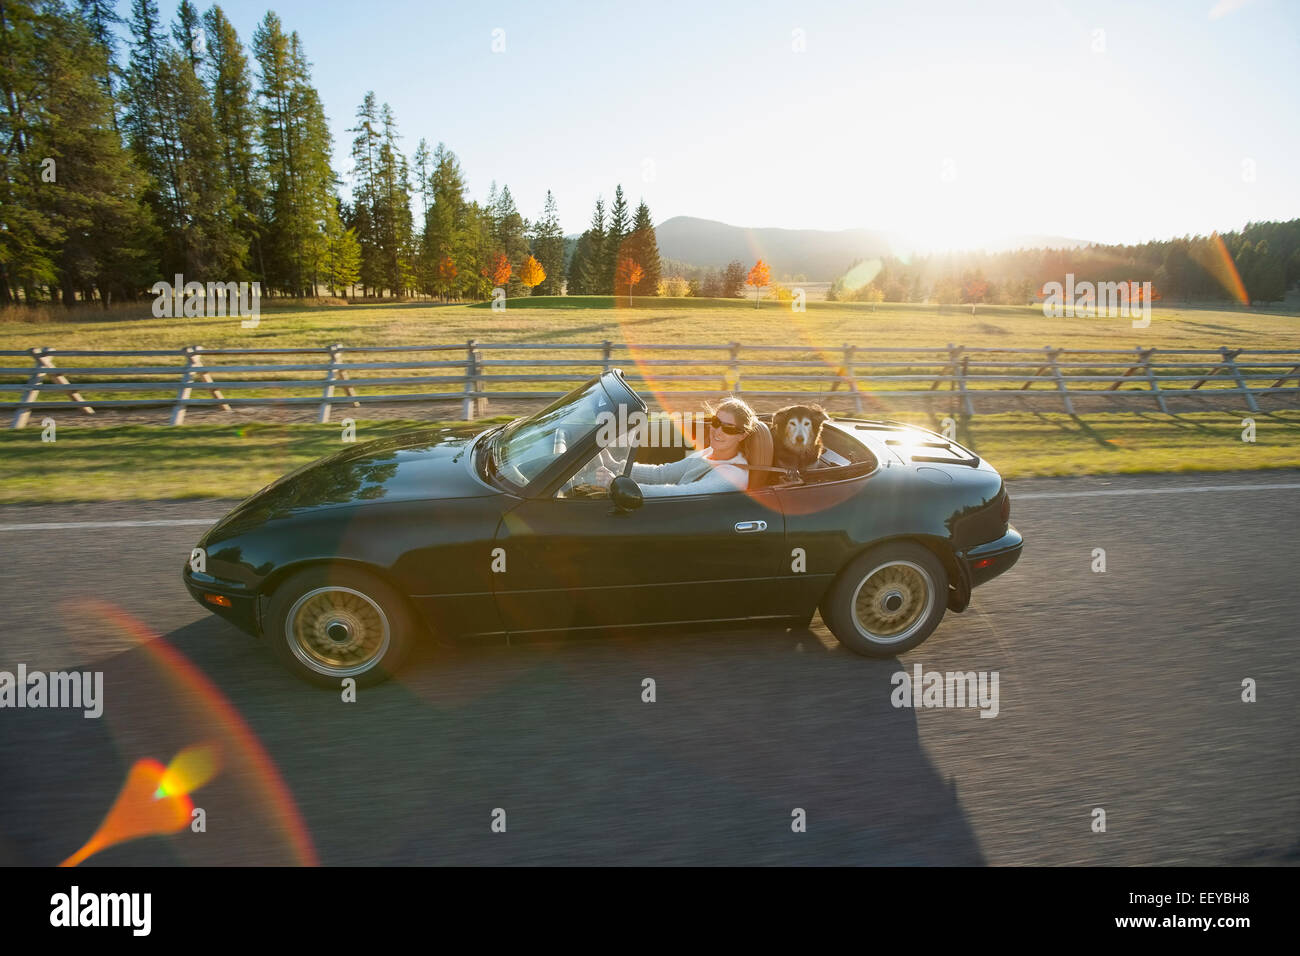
(818, 255)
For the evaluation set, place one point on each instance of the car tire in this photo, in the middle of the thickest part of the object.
(887, 600)
(329, 623)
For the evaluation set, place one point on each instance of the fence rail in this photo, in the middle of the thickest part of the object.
(475, 373)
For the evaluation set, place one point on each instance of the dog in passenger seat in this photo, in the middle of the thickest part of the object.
(797, 436)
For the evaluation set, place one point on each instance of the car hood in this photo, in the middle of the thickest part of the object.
(432, 463)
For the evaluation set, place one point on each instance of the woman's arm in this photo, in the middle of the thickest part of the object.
(721, 477)
(669, 473)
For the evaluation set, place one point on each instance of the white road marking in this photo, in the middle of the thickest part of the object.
(82, 525)
(1030, 496)
(1187, 489)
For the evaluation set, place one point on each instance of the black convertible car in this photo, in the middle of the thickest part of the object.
(342, 564)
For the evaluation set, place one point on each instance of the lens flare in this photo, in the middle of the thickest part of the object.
(1215, 259)
(228, 741)
(154, 801)
(189, 770)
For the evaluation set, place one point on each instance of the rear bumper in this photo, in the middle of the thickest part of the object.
(987, 561)
(242, 610)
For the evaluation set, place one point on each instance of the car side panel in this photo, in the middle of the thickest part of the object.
(836, 521)
(437, 552)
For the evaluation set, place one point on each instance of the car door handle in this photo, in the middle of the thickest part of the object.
(746, 526)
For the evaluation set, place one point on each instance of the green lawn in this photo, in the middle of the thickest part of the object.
(211, 461)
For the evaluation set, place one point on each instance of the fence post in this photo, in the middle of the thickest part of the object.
(733, 371)
(469, 405)
(183, 393)
(1151, 377)
(44, 367)
(968, 401)
(957, 362)
(331, 377)
(1060, 382)
(33, 392)
(607, 347)
(1231, 362)
(207, 377)
(851, 376)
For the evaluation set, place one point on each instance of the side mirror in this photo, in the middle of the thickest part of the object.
(625, 493)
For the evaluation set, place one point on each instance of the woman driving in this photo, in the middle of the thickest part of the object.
(715, 468)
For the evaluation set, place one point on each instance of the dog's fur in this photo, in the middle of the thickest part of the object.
(797, 436)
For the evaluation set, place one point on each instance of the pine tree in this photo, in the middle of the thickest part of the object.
(28, 238)
(643, 247)
(100, 17)
(579, 265)
(619, 226)
(203, 240)
(445, 235)
(170, 126)
(548, 247)
(421, 163)
(511, 238)
(228, 76)
(189, 35)
(394, 221)
(343, 259)
(296, 144)
(82, 227)
(592, 264)
(365, 190)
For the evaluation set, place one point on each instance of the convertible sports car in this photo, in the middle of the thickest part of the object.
(343, 564)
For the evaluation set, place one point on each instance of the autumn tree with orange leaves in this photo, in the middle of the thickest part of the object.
(447, 272)
(758, 277)
(498, 270)
(531, 273)
(626, 276)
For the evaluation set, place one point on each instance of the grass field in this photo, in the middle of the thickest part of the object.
(206, 461)
(659, 321)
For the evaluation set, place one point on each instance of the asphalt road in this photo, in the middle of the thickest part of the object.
(1118, 690)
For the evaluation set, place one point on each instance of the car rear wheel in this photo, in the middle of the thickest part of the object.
(887, 600)
(328, 623)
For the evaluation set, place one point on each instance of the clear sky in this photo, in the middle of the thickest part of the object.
(948, 122)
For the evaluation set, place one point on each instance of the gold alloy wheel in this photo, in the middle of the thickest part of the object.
(892, 602)
(337, 631)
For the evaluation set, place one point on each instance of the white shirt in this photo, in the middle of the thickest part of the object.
(696, 474)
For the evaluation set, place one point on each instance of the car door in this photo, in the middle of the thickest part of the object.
(573, 563)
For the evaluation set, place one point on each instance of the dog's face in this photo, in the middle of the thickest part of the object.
(799, 427)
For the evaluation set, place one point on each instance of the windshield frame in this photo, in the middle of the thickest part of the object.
(618, 394)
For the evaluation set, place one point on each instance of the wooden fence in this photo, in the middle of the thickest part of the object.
(474, 373)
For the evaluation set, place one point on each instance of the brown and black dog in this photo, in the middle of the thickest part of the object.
(797, 436)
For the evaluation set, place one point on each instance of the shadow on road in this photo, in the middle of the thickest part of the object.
(746, 727)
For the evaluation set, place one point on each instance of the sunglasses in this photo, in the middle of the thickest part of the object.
(718, 423)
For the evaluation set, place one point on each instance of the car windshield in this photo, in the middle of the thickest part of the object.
(523, 449)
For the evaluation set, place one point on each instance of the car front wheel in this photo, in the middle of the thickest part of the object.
(887, 600)
(328, 623)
